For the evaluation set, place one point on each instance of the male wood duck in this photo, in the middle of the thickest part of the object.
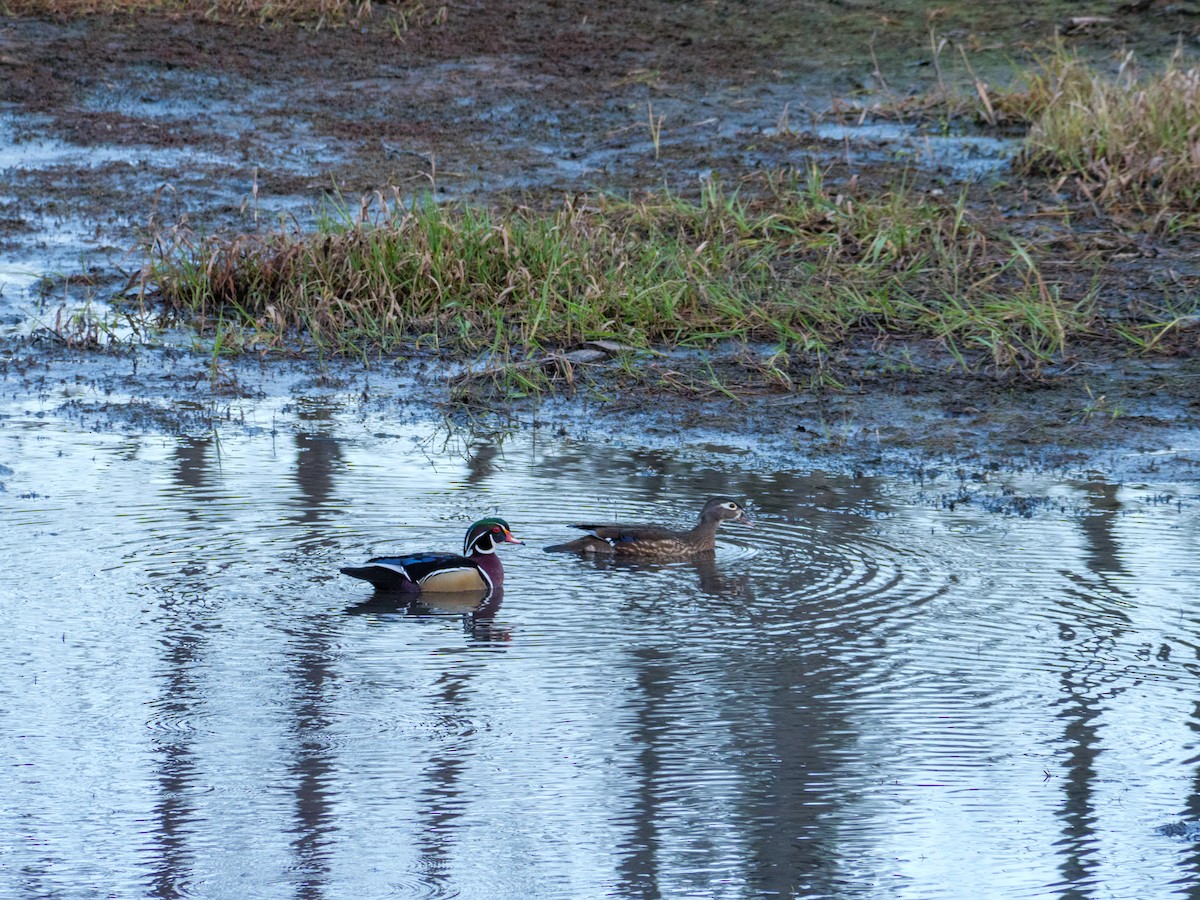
(655, 541)
(478, 569)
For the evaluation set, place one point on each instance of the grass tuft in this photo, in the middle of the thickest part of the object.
(1132, 138)
(795, 265)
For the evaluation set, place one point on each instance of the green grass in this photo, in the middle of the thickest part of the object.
(794, 264)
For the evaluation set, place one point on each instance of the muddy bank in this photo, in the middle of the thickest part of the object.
(111, 128)
(1126, 421)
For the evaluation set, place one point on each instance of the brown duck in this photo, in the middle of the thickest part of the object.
(656, 541)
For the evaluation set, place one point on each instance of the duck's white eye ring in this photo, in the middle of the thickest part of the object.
(730, 505)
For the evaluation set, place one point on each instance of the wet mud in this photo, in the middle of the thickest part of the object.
(112, 127)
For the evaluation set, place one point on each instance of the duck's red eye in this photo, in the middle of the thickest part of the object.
(496, 529)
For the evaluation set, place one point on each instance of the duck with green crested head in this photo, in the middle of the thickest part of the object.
(477, 569)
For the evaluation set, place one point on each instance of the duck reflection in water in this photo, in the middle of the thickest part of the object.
(709, 578)
(478, 609)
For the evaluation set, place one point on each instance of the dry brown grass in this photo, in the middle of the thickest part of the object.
(1130, 139)
(309, 12)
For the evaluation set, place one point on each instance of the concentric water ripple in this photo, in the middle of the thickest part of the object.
(866, 689)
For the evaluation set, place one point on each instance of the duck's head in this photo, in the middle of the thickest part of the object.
(484, 535)
(722, 509)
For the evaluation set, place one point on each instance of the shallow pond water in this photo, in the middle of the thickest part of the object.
(889, 687)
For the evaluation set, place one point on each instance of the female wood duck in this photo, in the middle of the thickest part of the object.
(655, 541)
(478, 569)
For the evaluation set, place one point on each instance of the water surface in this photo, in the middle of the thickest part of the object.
(911, 688)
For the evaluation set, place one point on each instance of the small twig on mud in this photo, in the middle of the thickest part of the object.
(783, 126)
(875, 60)
(981, 88)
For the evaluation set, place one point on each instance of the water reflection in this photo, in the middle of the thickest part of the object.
(318, 462)
(312, 768)
(191, 463)
(477, 609)
(441, 800)
(702, 571)
(312, 673)
(639, 862)
(853, 698)
(481, 460)
(174, 814)
(1095, 604)
(177, 705)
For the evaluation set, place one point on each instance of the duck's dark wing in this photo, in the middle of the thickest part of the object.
(628, 534)
(405, 573)
(615, 538)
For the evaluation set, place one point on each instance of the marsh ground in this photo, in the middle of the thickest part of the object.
(114, 127)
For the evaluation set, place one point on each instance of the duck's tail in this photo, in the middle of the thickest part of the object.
(384, 579)
(589, 544)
